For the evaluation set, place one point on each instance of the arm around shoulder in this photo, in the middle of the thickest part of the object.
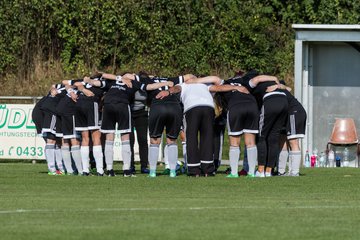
(263, 78)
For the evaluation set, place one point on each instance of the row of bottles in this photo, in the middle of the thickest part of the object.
(330, 160)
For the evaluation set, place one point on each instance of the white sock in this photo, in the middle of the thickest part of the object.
(172, 154)
(126, 154)
(166, 157)
(109, 154)
(85, 158)
(50, 156)
(76, 155)
(98, 155)
(252, 158)
(58, 158)
(153, 156)
(283, 158)
(66, 155)
(295, 162)
(184, 153)
(234, 155)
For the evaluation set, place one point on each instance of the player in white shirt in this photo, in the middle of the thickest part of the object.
(199, 117)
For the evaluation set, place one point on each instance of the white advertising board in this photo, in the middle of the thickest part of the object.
(18, 138)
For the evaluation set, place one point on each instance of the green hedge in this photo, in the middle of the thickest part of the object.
(163, 37)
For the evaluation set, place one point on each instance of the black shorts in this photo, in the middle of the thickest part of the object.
(296, 124)
(58, 131)
(165, 115)
(283, 130)
(49, 123)
(49, 136)
(116, 113)
(66, 106)
(274, 113)
(243, 119)
(68, 126)
(87, 115)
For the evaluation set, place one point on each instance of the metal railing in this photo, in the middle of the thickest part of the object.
(34, 99)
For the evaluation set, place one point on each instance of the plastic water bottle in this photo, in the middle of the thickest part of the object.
(322, 160)
(331, 158)
(346, 157)
(315, 152)
(307, 159)
(313, 161)
(338, 161)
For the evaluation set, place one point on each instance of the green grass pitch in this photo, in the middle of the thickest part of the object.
(321, 204)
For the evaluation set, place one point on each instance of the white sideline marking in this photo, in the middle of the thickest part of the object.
(168, 209)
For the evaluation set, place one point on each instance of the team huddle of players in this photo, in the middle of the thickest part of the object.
(81, 116)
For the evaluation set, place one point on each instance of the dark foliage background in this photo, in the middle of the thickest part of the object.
(44, 41)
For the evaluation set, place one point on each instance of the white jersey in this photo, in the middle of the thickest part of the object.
(195, 95)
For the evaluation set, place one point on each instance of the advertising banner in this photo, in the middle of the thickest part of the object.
(19, 140)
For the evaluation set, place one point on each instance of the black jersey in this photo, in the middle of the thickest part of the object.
(97, 91)
(50, 102)
(152, 94)
(118, 92)
(260, 90)
(39, 104)
(75, 90)
(236, 97)
(250, 75)
(66, 105)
